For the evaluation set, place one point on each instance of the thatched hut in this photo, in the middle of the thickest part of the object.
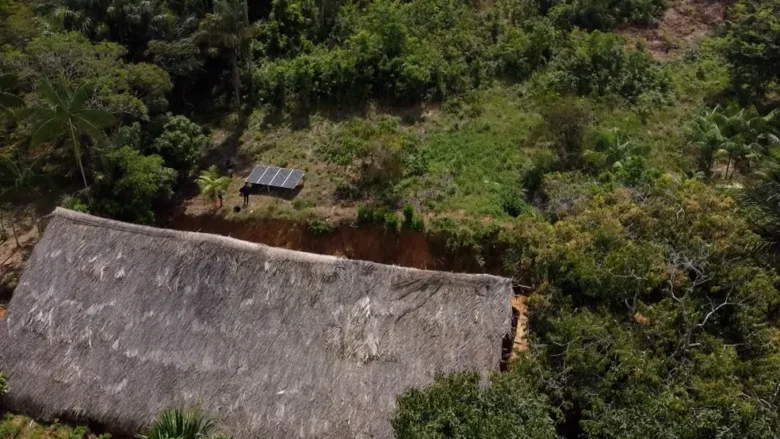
(113, 322)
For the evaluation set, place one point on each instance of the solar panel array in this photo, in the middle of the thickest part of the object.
(276, 177)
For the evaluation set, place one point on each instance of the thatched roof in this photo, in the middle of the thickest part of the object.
(113, 322)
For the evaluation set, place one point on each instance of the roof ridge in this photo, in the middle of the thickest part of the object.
(227, 241)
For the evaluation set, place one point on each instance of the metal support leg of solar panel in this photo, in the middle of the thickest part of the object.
(273, 176)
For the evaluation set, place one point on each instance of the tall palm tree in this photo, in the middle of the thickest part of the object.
(228, 27)
(211, 183)
(65, 113)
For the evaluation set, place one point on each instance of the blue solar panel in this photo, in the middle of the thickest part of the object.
(275, 176)
(293, 179)
(280, 177)
(254, 177)
(269, 175)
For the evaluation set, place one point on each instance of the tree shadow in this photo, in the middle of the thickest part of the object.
(227, 152)
(276, 192)
(409, 113)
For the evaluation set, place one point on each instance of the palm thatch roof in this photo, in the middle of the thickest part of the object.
(113, 322)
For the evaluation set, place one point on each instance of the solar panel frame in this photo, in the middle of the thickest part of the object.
(256, 174)
(280, 177)
(292, 180)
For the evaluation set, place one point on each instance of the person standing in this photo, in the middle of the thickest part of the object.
(229, 167)
(244, 191)
(220, 199)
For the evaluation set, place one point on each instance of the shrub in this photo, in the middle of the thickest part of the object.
(180, 144)
(606, 14)
(365, 215)
(512, 201)
(598, 64)
(303, 204)
(565, 123)
(408, 215)
(752, 47)
(319, 227)
(417, 224)
(74, 203)
(541, 163)
(456, 405)
(134, 185)
(182, 424)
(390, 221)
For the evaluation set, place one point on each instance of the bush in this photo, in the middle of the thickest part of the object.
(752, 47)
(365, 215)
(541, 163)
(457, 406)
(3, 385)
(408, 215)
(598, 64)
(303, 204)
(512, 201)
(565, 122)
(183, 424)
(134, 185)
(74, 203)
(181, 144)
(320, 227)
(417, 224)
(390, 220)
(606, 14)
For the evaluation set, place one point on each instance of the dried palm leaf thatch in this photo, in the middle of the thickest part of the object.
(114, 322)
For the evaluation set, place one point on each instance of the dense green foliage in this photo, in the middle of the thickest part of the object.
(180, 144)
(752, 46)
(22, 427)
(635, 192)
(457, 407)
(133, 185)
(649, 320)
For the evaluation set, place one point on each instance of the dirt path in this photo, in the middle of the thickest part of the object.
(685, 23)
(13, 257)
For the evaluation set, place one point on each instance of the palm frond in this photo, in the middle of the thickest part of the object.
(180, 424)
(87, 126)
(96, 117)
(10, 101)
(80, 97)
(53, 96)
(47, 131)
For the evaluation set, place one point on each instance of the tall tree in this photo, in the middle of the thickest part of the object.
(66, 113)
(228, 28)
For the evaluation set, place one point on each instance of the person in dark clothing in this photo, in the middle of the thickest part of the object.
(229, 167)
(244, 191)
(220, 199)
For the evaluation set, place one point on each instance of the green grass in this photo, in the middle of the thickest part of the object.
(21, 427)
(463, 156)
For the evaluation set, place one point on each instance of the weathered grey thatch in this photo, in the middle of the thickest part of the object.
(113, 322)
